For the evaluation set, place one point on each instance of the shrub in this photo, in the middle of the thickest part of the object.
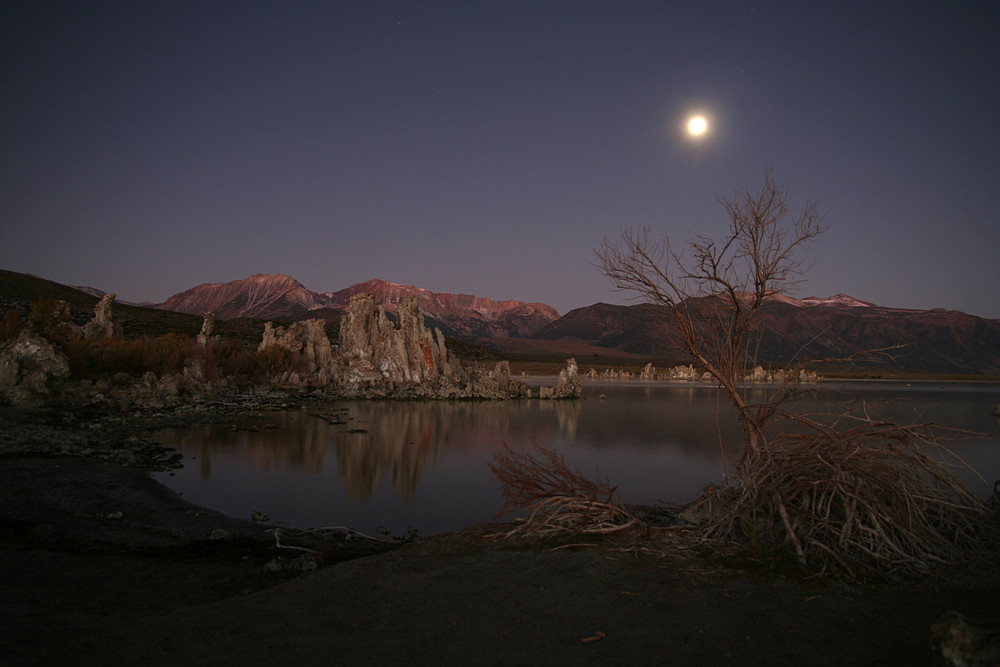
(559, 500)
(869, 497)
(11, 326)
(51, 319)
(162, 355)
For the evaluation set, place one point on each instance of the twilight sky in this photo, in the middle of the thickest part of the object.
(488, 148)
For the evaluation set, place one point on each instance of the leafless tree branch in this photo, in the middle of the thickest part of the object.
(841, 490)
(713, 289)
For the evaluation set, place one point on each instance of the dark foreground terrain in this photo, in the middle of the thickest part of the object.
(83, 585)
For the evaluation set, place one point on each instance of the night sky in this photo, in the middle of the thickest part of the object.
(488, 148)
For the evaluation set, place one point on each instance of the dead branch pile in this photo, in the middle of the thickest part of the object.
(873, 497)
(557, 499)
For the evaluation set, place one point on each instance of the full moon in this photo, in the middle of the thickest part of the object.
(697, 126)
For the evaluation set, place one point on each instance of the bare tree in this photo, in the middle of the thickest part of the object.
(713, 289)
(845, 488)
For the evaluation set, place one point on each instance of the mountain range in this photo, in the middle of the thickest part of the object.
(277, 296)
(932, 341)
(938, 340)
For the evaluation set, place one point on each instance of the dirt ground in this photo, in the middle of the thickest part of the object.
(85, 585)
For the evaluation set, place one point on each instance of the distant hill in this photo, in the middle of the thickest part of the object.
(18, 291)
(636, 329)
(26, 288)
(935, 341)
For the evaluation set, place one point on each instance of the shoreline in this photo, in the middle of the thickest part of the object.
(86, 586)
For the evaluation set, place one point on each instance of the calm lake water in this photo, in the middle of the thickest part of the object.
(424, 465)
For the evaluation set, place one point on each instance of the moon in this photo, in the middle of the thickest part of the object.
(697, 126)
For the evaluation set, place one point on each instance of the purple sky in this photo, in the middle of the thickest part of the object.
(488, 148)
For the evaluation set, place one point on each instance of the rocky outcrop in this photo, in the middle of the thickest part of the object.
(375, 352)
(688, 373)
(568, 384)
(207, 327)
(29, 365)
(102, 327)
(309, 352)
(500, 377)
(376, 355)
(759, 374)
(378, 358)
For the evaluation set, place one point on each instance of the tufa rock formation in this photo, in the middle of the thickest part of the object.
(308, 348)
(207, 327)
(29, 365)
(649, 373)
(568, 385)
(374, 352)
(101, 327)
(376, 358)
(379, 358)
(404, 360)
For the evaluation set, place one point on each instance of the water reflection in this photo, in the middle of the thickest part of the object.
(282, 441)
(424, 464)
(370, 440)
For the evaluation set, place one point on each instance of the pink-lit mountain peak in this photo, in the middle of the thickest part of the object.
(266, 295)
(837, 300)
(390, 295)
(277, 296)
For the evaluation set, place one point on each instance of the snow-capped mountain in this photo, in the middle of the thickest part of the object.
(837, 300)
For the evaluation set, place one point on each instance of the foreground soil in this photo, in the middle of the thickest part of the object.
(103, 566)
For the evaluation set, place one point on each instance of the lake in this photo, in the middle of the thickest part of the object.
(424, 465)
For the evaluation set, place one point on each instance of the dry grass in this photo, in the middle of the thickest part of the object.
(867, 497)
(847, 495)
(558, 500)
(171, 353)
